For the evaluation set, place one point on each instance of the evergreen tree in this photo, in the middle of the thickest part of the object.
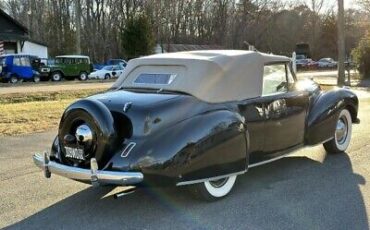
(361, 56)
(137, 37)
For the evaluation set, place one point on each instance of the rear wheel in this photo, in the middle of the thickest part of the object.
(342, 135)
(212, 190)
(107, 76)
(56, 76)
(13, 79)
(36, 79)
(83, 76)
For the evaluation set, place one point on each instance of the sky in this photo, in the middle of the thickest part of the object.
(329, 3)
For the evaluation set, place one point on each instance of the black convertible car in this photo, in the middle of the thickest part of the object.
(197, 118)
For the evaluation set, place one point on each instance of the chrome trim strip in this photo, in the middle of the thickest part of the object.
(210, 178)
(269, 161)
(128, 149)
(93, 175)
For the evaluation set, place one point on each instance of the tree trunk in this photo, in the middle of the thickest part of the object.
(341, 45)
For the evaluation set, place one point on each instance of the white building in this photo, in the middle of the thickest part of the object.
(14, 38)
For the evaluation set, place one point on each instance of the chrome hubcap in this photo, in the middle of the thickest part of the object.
(84, 134)
(341, 130)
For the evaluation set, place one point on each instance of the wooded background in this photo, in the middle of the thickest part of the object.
(270, 25)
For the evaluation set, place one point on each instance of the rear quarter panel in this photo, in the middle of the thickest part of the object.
(206, 145)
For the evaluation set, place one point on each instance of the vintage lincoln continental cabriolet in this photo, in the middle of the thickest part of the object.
(198, 119)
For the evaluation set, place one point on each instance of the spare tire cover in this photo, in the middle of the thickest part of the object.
(96, 117)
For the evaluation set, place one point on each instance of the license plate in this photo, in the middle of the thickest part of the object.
(75, 153)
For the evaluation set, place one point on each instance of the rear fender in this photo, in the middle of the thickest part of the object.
(206, 145)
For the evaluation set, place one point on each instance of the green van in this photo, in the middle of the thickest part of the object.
(68, 67)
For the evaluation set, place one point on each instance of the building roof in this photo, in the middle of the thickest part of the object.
(12, 37)
(211, 75)
(15, 35)
(17, 23)
(170, 47)
(18, 37)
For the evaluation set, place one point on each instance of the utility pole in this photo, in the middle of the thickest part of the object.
(78, 26)
(341, 44)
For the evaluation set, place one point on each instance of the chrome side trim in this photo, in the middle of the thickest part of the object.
(269, 161)
(127, 106)
(210, 178)
(128, 149)
(92, 175)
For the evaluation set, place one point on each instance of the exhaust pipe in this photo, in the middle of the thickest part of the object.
(124, 193)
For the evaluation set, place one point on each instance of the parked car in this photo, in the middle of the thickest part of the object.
(117, 62)
(198, 119)
(109, 63)
(109, 71)
(327, 63)
(306, 64)
(19, 67)
(303, 49)
(300, 57)
(68, 67)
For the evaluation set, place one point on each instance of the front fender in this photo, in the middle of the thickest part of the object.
(324, 112)
(52, 70)
(206, 145)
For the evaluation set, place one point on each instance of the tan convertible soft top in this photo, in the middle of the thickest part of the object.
(212, 75)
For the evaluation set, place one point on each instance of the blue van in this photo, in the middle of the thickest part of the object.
(19, 67)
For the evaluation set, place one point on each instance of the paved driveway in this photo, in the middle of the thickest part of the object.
(308, 190)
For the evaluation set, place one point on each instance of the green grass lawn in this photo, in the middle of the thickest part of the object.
(36, 112)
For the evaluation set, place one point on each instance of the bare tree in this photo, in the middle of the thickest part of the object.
(94, 27)
(78, 25)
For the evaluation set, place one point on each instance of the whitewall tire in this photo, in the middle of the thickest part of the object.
(214, 189)
(342, 135)
(13, 79)
(56, 76)
(83, 76)
(36, 79)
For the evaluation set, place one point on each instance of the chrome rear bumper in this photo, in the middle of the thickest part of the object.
(93, 175)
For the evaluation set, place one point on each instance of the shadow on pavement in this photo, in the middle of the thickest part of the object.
(293, 193)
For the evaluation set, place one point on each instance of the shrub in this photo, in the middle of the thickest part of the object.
(361, 56)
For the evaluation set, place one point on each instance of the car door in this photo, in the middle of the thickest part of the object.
(65, 65)
(117, 70)
(83, 65)
(284, 108)
(22, 67)
(120, 70)
(76, 64)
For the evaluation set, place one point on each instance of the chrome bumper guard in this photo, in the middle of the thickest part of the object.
(93, 174)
